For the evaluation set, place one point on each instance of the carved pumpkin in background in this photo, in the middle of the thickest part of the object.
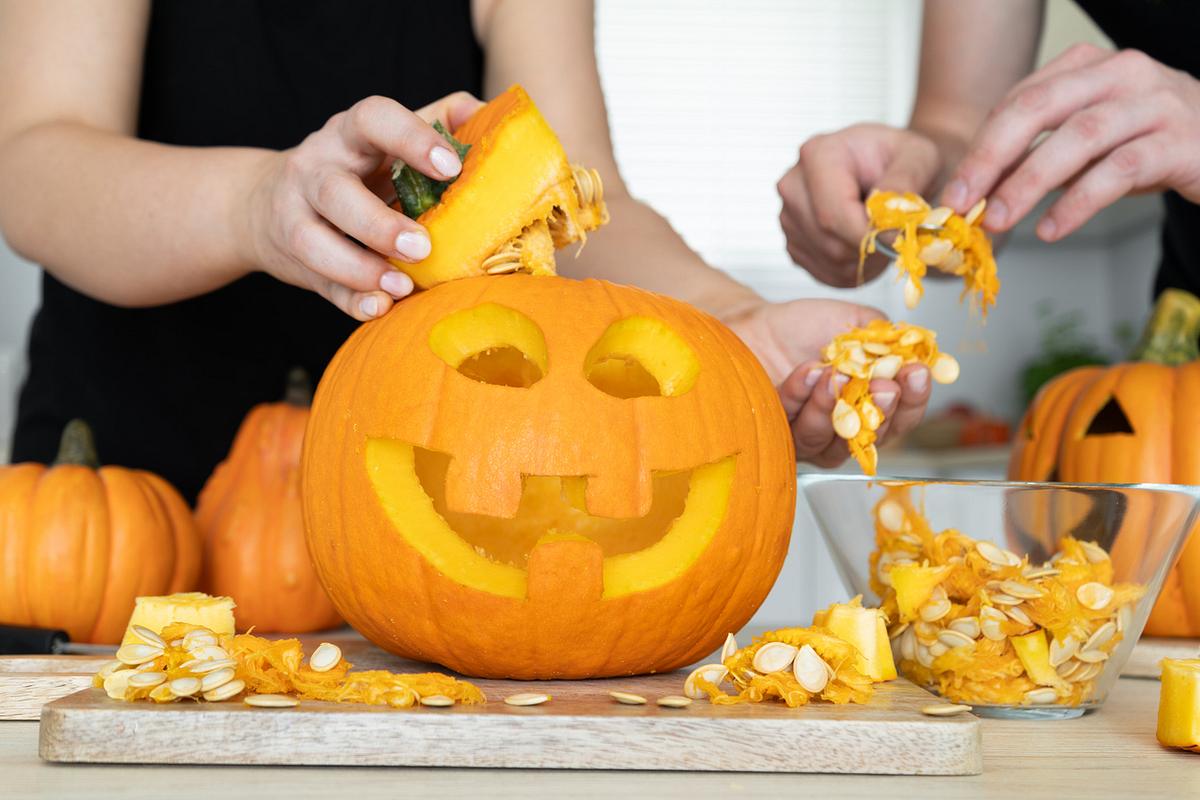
(1136, 422)
(78, 542)
(250, 516)
(535, 477)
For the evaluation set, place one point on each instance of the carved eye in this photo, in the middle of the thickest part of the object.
(493, 344)
(641, 357)
(1109, 420)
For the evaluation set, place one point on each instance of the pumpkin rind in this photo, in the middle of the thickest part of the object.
(78, 544)
(386, 383)
(251, 518)
(514, 180)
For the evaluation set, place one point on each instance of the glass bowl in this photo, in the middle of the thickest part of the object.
(1140, 528)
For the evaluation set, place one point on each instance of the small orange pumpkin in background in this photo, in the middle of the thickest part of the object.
(250, 516)
(535, 477)
(1136, 422)
(78, 542)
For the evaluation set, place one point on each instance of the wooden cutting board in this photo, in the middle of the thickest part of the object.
(580, 728)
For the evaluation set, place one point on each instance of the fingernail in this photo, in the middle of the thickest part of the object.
(413, 246)
(956, 193)
(396, 283)
(369, 306)
(1046, 229)
(445, 162)
(885, 400)
(996, 214)
(836, 383)
(810, 380)
(918, 380)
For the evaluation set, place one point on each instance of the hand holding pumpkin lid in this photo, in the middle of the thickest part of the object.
(515, 201)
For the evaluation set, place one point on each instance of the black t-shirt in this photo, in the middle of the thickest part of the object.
(1167, 31)
(165, 388)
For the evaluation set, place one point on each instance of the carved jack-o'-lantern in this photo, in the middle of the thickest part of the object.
(536, 477)
(1134, 422)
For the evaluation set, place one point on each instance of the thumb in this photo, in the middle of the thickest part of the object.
(912, 168)
(452, 110)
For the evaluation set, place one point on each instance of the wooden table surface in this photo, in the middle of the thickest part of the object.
(1109, 754)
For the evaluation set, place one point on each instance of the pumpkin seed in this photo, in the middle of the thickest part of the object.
(990, 620)
(886, 367)
(876, 348)
(436, 701)
(109, 667)
(184, 687)
(1068, 669)
(952, 638)
(215, 679)
(134, 654)
(997, 555)
(774, 657)
(199, 667)
(908, 645)
(1124, 617)
(628, 698)
(527, 699)
(142, 680)
(1033, 573)
(162, 694)
(209, 652)
(1041, 696)
(924, 656)
(935, 252)
(967, 626)
(729, 648)
(1087, 672)
(325, 657)
(872, 417)
(976, 212)
(945, 369)
(1017, 615)
(846, 422)
(912, 295)
(934, 610)
(901, 203)
(810, 670)
(1001, 599)
(225, 691)
(891, 515)
(1021, 590)
(116, 684)
(944, 709)
(148, 636)
(177, 643)
(1094, 553)
(712, 673)
(197, 638)
(896, 631)
(674, 701)
(1102, 636)
(926, 632)
(937, 649)
(1094, 596)
(1063, 650)
(937, 217)
(1091, 656)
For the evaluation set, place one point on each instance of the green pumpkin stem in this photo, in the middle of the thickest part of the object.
(299, 391)
(77, 446)
(417, 193)
(1172, 334)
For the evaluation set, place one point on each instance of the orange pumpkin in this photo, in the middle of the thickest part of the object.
(250, 515)
(79, 542)
(516, 199)
(1129, 423)
(536, 477)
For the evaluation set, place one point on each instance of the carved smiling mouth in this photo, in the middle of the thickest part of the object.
(496, 554)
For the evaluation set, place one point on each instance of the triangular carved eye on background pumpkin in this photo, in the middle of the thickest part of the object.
(1110, 419)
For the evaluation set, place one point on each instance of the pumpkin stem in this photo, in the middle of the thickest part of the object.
(1172, 334)
(299, 391)
(77, 446)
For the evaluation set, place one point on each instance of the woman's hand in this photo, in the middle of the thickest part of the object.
(823, 215)
(309, 202)
(788, 339)
(1118, 123)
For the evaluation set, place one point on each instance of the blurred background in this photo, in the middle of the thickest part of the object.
(685, 80)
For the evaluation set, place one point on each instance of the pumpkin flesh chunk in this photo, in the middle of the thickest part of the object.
(492, 554)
